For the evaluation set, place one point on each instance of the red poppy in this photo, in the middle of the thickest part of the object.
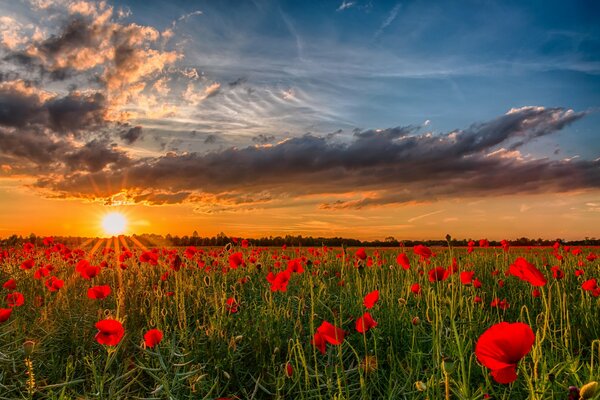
(370, 299)
(505, 245)
(98, 292)
(245, 243)
(152, 337)
(402, 260)
(502, 304)
(466, 277)
(423, 251)
(48, 241)
(232, 305)
(86, 270)
(54, 284)
(536, 293)
(590, 284)
(502, 346)
(361, 254)
(10, 284)
(110, 332)
(438, 274)
(280, 281)
(476, 283)
(295, 265)
(557, 273)
(15, 299)
(484, 243)
(415, 288)
(527, 272)
(5, 314)
(365, 322)
(327, 333)
(41, 273)
(236, 259)
(27, 264)
(149, 257)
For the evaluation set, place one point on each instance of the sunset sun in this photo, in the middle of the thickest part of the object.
(114, 223)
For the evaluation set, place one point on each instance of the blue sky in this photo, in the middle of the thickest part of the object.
(384, 64)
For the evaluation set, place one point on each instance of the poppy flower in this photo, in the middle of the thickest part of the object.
(236, 259)
(41, 273)
(149, 257)
(423, 251)
(505, 244)
(54, 284)
(280, 281)
(476, 283)
(5, 314)
(590, 284)
(232, 305)
(295, 265)
(98, 292)
(15, 299)
(415, 288)
(557, 273)
(245, 243)
(502, 346)
(365, 322)
(86, 270)
(484, 243)
(27, 264)
(466, 277)
(110, 332)
(502, 304)
(370, 299)
(527, 272)
(438, 274)
(10, 284)
(402, 260)
(361, 254)
(536, 293)
(152, 337)
(327, 333)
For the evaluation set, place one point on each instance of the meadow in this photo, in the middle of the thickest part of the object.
(245, 322)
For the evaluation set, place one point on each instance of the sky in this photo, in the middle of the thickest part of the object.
(363, 119)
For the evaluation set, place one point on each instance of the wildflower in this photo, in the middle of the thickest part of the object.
(110, 332)
(502, 346)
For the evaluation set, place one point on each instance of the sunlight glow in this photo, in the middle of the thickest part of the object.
(114, 223)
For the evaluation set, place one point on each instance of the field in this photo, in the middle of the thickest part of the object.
(281, 323)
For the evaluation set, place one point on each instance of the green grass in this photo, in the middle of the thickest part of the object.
(207, 353)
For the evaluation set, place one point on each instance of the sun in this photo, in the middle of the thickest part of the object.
(114, 223)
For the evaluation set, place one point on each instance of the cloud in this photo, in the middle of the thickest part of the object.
(399, 165)
(345, 5)
(25, 105)
(92, 43)
(389, 19)
(131, 135)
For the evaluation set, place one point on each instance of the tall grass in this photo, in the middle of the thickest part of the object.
(422, 348)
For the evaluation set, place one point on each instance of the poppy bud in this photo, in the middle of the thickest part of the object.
(416, 321)
(28, 347)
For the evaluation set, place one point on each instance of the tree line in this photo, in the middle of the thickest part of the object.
(221, 239)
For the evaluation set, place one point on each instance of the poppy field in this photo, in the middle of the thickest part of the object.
(248, 322)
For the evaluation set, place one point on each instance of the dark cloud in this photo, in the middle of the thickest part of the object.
(23, 105)
(76, 112)
(131, 135)
(263, 139)
(400, 164)
(95, 156)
